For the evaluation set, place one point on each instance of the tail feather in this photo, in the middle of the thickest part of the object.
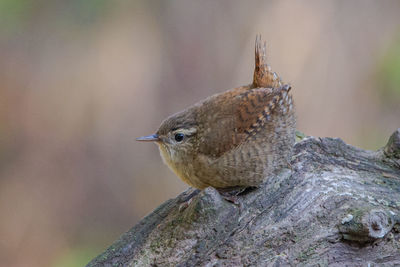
(263, 75)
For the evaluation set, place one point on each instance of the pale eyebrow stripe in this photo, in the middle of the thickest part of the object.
(189, 131)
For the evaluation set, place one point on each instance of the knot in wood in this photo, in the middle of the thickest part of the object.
(379, 223)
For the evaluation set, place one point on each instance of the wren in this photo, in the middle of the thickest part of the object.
(237, 138)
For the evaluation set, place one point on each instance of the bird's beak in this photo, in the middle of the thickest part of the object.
(149, 138)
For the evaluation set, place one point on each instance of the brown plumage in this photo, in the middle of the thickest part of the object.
(235, 138)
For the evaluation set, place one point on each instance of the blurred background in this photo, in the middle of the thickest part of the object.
(80, 80)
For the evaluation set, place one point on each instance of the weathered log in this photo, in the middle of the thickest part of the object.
(338, 206)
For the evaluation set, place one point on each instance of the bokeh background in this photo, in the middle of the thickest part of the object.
(79, 80)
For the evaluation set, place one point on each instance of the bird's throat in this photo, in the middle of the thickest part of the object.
(170, 159)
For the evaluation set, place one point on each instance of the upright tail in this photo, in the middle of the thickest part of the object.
(263, 75)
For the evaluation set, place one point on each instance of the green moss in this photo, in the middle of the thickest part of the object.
(299, 136)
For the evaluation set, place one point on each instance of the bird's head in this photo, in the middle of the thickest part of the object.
(176, 137)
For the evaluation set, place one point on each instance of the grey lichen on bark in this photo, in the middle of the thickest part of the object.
(338, 205)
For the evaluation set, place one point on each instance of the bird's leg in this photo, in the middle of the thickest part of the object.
(185, 204)
(228, 196)
(231, 193)
(187, 198)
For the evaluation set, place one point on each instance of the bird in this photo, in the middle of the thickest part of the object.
(237, 138)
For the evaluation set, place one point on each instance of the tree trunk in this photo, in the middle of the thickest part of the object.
(338, 206)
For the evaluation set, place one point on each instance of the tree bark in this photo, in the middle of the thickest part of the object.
(338, 206)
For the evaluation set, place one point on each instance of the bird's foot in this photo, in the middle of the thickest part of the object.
(230, 198)
(232, 194)
(187, 198)
(184, 205)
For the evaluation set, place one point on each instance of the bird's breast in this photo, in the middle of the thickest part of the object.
(181, 166)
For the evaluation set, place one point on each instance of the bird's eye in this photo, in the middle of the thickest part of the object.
(179, 137)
